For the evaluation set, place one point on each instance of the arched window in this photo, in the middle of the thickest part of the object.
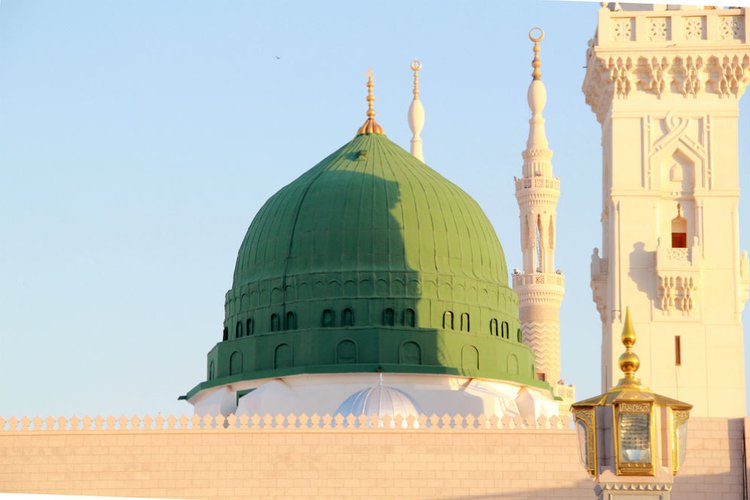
(328, 319)
(346, 352)
(211, 370)
(250, 326)
(235, 363)
(505, 330)
(389, 317)
(291, 321)
(225, 334)
(282, 357)
(679, 230)
(493, 327)
(347, 317)
(465, 325)
(448, 320)
(519, 336)
(410, 318)
(275, 323)
(410, 353)
(238, 330)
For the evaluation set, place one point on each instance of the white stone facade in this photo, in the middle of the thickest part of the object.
(665, 86)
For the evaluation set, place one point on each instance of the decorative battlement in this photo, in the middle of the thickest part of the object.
(656, 27)
(661, 53)
(537, 182)
(279, 422)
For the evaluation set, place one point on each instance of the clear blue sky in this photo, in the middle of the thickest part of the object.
(138, 139)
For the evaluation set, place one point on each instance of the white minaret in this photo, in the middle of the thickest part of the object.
(539, 286)
(665, 85)
(416, 114)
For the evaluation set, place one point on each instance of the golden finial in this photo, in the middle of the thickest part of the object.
(629, 361)
(370, 126)
(416, 65)
(536, 63)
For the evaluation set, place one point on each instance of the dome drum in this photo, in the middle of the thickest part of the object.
(368, 349)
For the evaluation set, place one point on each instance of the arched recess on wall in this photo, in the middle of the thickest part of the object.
(347, 317)
(235, 363)
(250, 326)
(238, 330)
(679, 230)
(505, 330)
(539, 244)
(346, 352)
(519, 336)
(282, 356)
(389, 317)
(465, 322)
(275, 326)
(211, 370)
(469, 358)
(410, 353)
(512, 364)
(328, 318)
(410, 318)
(225, 333)
(291, 321)
(448, 320)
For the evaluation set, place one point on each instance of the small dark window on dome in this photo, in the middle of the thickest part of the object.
(465, 325)
(225, 334)
(493, 327)
(274, 322)
(250, 326)
(410, 318)
(291, 321)
(238, 330)
(389, 317)
(347, 317)
(328, 319)
(505, 330)
(448, 320)
(211, 370)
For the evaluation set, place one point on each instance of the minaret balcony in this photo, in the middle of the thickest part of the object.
(537, 182)
(550, 285)
(678, 278)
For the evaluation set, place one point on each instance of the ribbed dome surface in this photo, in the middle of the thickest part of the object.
(371, 206)
(380, 400)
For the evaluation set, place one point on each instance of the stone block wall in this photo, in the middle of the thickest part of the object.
(498, 459)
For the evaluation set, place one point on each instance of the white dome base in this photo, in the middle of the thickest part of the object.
(323, 394)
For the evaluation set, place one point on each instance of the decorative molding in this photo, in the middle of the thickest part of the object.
(301, 422)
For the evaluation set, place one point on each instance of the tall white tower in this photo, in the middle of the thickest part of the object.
(540, 288)
(665, 85)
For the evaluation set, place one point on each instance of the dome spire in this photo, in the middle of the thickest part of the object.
(416, 114)
(629, 361)
(537, 97)
(370, 126)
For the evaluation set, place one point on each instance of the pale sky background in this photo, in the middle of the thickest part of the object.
(138, 139)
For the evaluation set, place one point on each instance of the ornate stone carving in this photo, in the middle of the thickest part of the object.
(657, 70)
(599, 274)
(621, 75)
(622, 29)
(731, 28)
(657, 29)
(678, 274)
(687, 75)
(729, 74)
(694, 28)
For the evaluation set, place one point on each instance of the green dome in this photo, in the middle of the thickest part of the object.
(370, 261)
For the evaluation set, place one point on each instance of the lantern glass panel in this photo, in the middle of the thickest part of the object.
(682, 440)
(583, 443)
(635, 444)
